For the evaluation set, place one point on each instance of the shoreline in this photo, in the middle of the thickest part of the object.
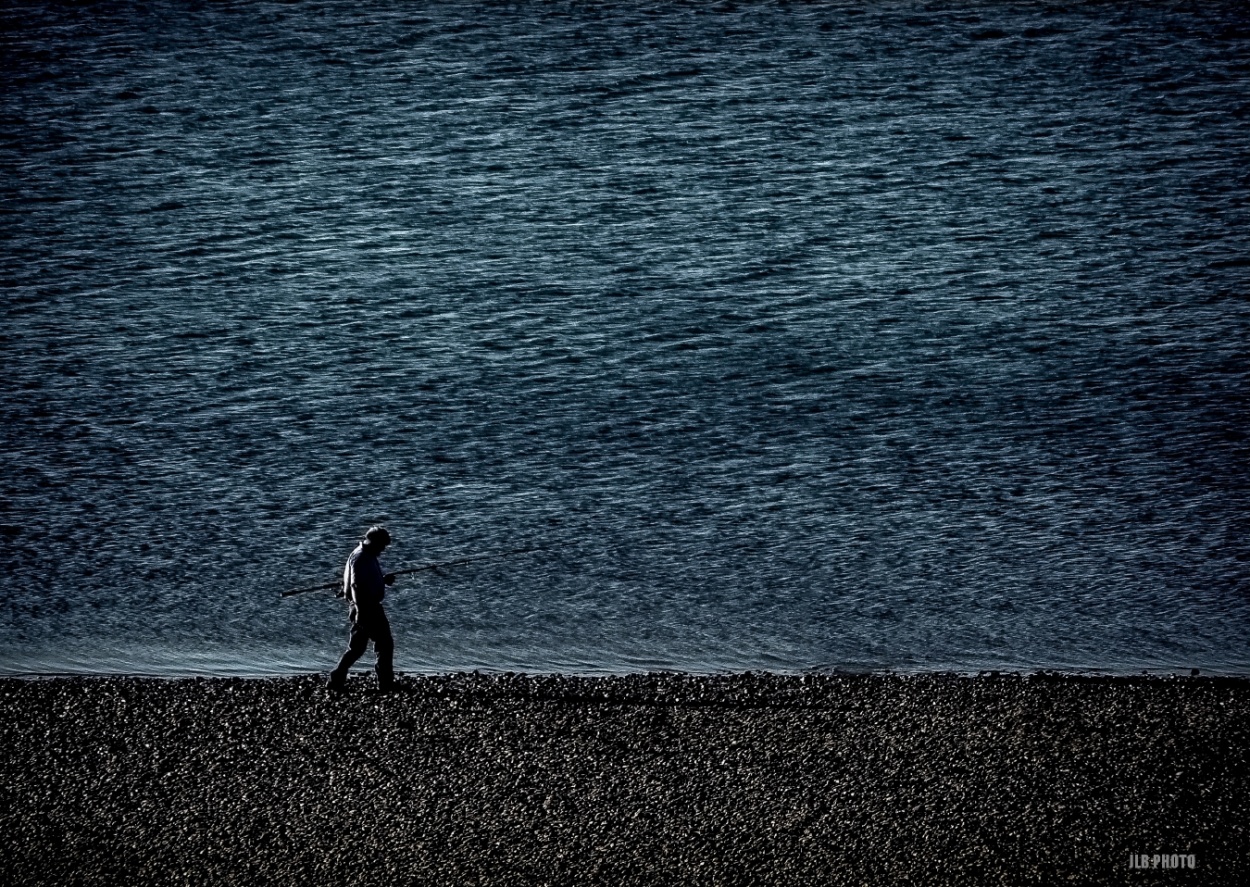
(648, 778)
(364, 667)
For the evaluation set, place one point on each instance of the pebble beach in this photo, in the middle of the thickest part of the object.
(638, 779)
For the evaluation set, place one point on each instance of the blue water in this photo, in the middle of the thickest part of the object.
(865, 336)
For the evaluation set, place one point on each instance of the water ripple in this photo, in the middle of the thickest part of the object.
(795, 337)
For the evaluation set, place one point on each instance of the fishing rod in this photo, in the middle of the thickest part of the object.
(421, 569)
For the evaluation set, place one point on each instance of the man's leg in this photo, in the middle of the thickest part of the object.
(384, 648)
(357, 643)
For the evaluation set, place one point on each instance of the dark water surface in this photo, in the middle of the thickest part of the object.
(890, 335)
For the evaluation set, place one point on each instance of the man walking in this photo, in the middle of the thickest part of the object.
(364, 586)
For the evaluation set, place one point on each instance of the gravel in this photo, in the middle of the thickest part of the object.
(639, 779)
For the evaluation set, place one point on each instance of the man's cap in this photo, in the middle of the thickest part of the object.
(378, 536)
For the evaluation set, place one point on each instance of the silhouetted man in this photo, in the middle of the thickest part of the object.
(364, 586)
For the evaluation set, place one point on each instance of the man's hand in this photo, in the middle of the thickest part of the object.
(389, 579)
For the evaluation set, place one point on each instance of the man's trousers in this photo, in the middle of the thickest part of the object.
(368, 624)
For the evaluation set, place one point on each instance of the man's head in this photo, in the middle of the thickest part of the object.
(376, 539)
